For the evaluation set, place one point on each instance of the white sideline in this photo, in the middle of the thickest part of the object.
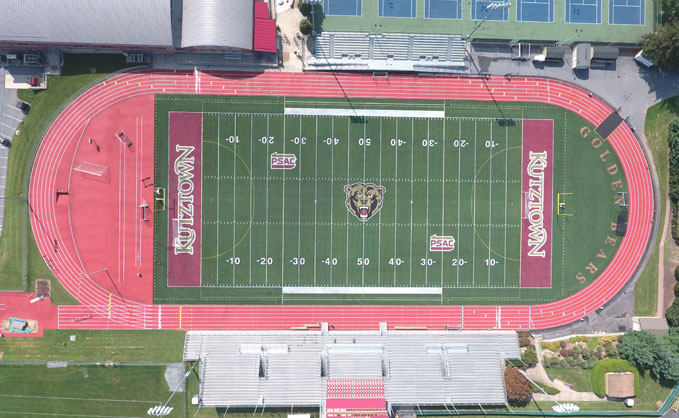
(363, 290)
(365, 112)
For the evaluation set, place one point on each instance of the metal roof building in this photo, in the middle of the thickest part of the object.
(81, 23)
(217, 23)
(309, 368)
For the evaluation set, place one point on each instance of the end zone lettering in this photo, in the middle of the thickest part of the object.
(441, 243)
(183, 168)
(283, 161)
(537, 234)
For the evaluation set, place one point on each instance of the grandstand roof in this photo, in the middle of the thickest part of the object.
(389, 52)
(108, 22)
(218, 23)
(294, 368)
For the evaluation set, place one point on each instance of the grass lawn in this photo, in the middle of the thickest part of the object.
(579, 379)
(76, 75)
(650, 397)
(85, 391)
(658, 118)
(96, 346)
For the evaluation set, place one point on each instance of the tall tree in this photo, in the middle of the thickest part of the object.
(662, 47)
(639, 348)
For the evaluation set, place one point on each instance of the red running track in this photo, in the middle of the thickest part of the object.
(102, 308)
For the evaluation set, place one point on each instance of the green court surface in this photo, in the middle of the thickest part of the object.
(288, 235)
(558, 31)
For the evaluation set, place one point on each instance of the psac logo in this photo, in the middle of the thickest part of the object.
(441, 243)
(283, 161)
(364, 199)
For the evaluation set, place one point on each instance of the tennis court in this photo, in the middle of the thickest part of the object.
(535, 10)
(397, 8)
(626, 12)
(583, 11)
(443, 9)
(342, 7)
(480, 11)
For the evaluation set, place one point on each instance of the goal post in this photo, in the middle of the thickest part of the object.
(92, 171)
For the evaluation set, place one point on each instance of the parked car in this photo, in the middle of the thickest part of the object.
(24, 107)
(5, 142)
(641, 59)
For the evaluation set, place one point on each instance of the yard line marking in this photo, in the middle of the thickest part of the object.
(363, 252)
(332, 189)
(315, 193)
(426, 267)
(459, 170)
(395, 201)
(412, 162)
(506, 201)
(266, 227)
(490, 195)
(347, 214)
(235, 149)
(379, 214)
(474, 211)
(282, 214)
(234, 181)
(250, 214)
(443, 195)
(299, 204)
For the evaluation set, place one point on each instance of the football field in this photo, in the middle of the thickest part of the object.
(304, 200)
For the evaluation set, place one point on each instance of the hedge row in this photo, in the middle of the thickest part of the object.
(615, 366)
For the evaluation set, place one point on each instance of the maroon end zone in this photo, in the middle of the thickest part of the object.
(536, 189)
(184, 197)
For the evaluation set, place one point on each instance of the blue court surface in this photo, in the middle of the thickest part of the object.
(398, 8)
(626, 12)
(583, 11)
(535, 10)
(443, 9)
(342, 7)
(480, 10)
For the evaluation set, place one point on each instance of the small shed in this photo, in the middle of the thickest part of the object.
(582, 56)
(620, 385)
(655, 326)
(604, 53)
(553, 53)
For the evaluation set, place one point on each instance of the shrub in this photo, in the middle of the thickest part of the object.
(676, 290)
(676, 273)
(592, 343)
(582, 363)
(599, 348)
(524, 342)
(517, 386)
(599, 354)
(545, 345)
(530, 357)
(591, 362)
(571, 361)
(672, 314)
(563, 352)
(563, 343)
(611, 351)
(607, 339)
(577, 349)
(586, 353)
(571, 340)
(304, 8)
(562, 363)
(605, 366)
(305, 27)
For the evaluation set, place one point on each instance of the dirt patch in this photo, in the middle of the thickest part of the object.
(42, 288)
(31, 323)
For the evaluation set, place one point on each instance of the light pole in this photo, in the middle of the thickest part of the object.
(496, 5)
(313, 4)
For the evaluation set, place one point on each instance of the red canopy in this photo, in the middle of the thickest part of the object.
(265, 29)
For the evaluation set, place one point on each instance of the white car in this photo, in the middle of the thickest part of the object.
(641, 59)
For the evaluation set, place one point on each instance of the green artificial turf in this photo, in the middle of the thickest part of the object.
(265, 229)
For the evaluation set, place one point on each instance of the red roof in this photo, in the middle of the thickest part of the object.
(265, 29)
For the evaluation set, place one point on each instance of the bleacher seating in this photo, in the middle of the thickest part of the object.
(389, 51)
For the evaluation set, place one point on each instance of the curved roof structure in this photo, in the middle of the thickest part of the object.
(107, 22)
(217, 24)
